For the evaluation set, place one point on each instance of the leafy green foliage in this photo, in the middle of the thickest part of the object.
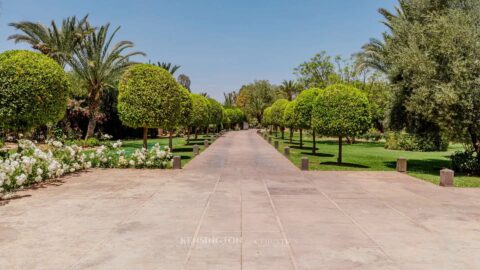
(341, 110)
(290, 118)
(267, 116)
(33, 90)
(200, 111)
(255, 97)
(215, 111)
(317, 72)
(415, 142)
(186, 105)
(234, 116)
(149, 97)
(304, 107)
(278, 108)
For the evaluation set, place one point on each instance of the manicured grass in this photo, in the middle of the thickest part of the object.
(180, 146)
(372, 156)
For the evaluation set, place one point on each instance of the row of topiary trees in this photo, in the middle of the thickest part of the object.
(34, 91)
(338, 110)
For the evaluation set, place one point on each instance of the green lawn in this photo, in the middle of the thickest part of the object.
(180, 146)
(372, 156)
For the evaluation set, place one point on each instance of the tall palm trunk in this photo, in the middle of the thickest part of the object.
(94, 99)
(145, 137)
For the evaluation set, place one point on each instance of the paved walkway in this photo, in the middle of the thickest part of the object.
(241, 205)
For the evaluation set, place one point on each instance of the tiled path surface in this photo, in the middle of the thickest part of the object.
(246, 207)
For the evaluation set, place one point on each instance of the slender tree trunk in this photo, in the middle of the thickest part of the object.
(145, 137)
(188, 135)
(314, 149)
(283, 132)
(301, 138)
(339, 159)
(196, 133)
(291, 135)
(170, 139)
(94, 99)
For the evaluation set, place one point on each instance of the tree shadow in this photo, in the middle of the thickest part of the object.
(182, 149)
(428, 166)
(185, 157)
(317, 154)
(351, 165)
(303, 147)
(12, 198)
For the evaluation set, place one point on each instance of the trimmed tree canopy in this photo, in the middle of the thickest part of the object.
(304, 106)
(277, 111)
(341, 110)
(215, 111)
(200, 111)
(186, 107)
(267, 116)
(149, 97)
(33, 90)
(290, 119)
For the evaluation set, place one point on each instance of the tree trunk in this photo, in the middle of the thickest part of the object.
(474, 140)
(339, 159)
(145, 137)
(301, 138)
(94, 99)
(283, 132)
(196, 133)
(188, 135)
(170, 139)
(291, 135)
(314, 149)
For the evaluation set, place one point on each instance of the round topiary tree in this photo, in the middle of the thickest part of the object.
(341, 110)
(148, 97)
(267, 118)
(186, 103)
(34, 90)
(200, 113)
(303, 110)
(278, 108)
(290, 119)
(215, 112)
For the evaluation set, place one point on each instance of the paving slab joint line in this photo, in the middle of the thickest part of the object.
(197, 230)
(280, 225)
(359, 226)
(103, 242)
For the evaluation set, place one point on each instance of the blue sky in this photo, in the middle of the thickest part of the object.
(220, 44)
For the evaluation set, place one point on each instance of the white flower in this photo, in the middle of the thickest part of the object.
(20, 179)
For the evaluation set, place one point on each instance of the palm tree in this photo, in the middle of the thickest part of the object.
(184, 81)
(168, 67)
(204, 94)
(99, 64)
(57, 43)
(373, 55)
(230, 99)
(289, 89)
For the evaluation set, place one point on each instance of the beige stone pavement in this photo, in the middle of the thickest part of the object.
(241, 205)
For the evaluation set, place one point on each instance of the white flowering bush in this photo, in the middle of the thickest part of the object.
(32, 165)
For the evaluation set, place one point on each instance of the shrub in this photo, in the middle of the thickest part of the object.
(148, 97)
(33, 90)
(33, 165)
(343, 111)
(2, 143)
(415, 142)
(373, 135)
(465, 162)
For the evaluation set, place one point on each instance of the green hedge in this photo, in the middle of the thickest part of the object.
(415, 142)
